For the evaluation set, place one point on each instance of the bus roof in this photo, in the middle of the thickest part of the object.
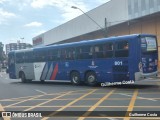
(83, 42)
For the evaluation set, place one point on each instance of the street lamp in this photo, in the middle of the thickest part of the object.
(22, 39)
(104, 29)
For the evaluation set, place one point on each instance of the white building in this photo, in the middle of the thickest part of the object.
(116, 12)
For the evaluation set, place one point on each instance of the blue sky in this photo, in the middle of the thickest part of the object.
(28, 18)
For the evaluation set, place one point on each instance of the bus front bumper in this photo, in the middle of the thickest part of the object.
(142, 76)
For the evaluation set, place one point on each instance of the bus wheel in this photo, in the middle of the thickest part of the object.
(75, 78)
(91, 79)
(23, 78)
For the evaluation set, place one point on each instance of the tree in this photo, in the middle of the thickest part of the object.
(1, 52)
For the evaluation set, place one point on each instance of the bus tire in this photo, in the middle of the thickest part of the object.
(91, 78)
(23, 78)
(75, 78)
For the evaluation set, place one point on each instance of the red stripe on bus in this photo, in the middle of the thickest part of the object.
(55, 71)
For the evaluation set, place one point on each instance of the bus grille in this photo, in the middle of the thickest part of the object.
(120, 77)
(120, 68)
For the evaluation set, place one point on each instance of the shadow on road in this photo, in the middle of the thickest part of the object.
(136, 86)
(69, 84)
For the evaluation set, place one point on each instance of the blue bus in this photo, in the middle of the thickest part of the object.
(114, 59)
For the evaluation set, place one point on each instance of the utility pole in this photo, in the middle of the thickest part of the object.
(103, 29)
(106, 27)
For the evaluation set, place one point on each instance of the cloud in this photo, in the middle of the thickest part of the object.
(63, 5)
(21, 4)
(2, 1)
(33, 24)
(5, 16)
(18, 4)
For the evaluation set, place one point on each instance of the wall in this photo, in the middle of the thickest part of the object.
(112, 10)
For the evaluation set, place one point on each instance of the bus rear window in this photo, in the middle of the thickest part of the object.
(148, 44)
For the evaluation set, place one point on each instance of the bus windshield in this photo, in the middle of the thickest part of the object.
(148, 44)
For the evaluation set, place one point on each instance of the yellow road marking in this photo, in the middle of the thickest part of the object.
(69, 104)
(9, 100)
(23, 101)
(46, 95)
(84, 106)
(48, 101)
(135, 118)
(75, 98)
(1, 109)
(72, 99)
(96, 105)
(123, 92)
(37, 96)
(132, 102)
(148, 93)
(20, 98)
(31, 96)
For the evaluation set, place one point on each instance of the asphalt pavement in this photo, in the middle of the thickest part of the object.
(62, 100)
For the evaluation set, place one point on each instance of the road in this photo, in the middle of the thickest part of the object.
(80, 100)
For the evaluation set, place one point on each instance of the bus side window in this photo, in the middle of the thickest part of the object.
(79, 54)
(70, 53)
(63, 54)
(50, 55)
(99, 51)
(122, 49)
(53, 55)
(108, 50)
(20, 57)
(37, 56)
(40, 56)
(87, 52)
(29, 57)
(84, 52)
(43, 56)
